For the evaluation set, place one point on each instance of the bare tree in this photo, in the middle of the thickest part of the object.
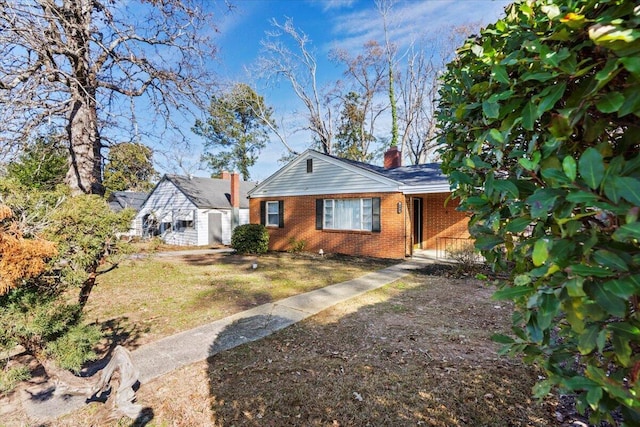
(418, 87)
(418, 92)
(384, 8)
(299, 67)
(72, 64)
(365, 75)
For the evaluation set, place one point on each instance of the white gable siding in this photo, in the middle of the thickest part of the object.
(326, 178)
(167, 204)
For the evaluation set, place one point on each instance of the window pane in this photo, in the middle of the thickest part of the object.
(366, 214)
(328, 213)
(273, 217)
(347, 214)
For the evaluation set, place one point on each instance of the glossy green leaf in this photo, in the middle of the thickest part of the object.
(570, 167)
(496, 135)
(627, 232)
(552, 98)
(485, 243)
(629, 188)
(529, 115)
(587, 341)
(625, 329)
(588, 270)
(512, 293)
(518, 224)
(574, 287)
(610, 103)
(582, 197)
(491, 110)
(624, 287)
(502, 339)
(540, 252)
(547, 310)
(506, 187)
(591, 167)
(631, 64)
(622, 349)
(610, 260)
(542, 202)
(609, 302)
(594, 395)
(499, 73)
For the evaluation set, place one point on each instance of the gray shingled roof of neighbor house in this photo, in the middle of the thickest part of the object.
(120, 200)
(210, 192)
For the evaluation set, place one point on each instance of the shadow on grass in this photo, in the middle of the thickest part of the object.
(431, 363)
(115, 332)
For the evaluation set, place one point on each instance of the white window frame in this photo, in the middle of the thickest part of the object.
(366, 218)
(268, 216)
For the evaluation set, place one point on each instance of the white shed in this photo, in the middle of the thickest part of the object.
(190, 210)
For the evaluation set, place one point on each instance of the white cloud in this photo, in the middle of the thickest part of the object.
(327, 5)
(411, 20)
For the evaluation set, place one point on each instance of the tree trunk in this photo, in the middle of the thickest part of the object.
(85, 159)
(86, 289)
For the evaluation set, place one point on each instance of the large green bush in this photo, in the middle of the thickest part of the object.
(38, 312)
(540, 131)
(250, 239)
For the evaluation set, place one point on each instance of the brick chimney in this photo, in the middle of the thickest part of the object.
(392, 158)
(225, 175)
(235, 189)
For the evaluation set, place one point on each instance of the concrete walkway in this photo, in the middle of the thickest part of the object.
(173, 352)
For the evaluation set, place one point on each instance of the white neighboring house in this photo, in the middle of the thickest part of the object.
(120, 200)
(189, 211)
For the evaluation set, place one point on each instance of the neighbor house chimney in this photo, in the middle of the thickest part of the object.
(225, 175)
(235, 190)
(392, 158)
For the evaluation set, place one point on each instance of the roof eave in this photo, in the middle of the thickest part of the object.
(425, 189)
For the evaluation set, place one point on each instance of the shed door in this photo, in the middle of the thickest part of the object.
(215, 228)
(417, 223)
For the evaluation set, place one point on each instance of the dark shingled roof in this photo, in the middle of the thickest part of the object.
(119, 200)
(407, 175)
(208, 193)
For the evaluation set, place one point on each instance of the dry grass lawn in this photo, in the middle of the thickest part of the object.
(149, 298)
(416, 352)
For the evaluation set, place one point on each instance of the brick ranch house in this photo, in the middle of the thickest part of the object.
(354, 208)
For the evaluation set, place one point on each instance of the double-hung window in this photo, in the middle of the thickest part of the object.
(272, 213)
(351, 214)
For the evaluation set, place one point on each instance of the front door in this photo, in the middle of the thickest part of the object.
(417, 223)
(215, 228)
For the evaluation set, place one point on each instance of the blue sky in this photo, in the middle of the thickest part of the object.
(329, 24)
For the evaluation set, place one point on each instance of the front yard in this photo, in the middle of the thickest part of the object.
(148, 298)
(415, 352)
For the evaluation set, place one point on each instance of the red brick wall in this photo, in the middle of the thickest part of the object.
(300, 224)
(442, 221)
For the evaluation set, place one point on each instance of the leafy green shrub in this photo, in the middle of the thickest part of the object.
(37, 313)
(540, 122)
(75, 347)
(250, 239)
(46, 326)
(296, 246)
